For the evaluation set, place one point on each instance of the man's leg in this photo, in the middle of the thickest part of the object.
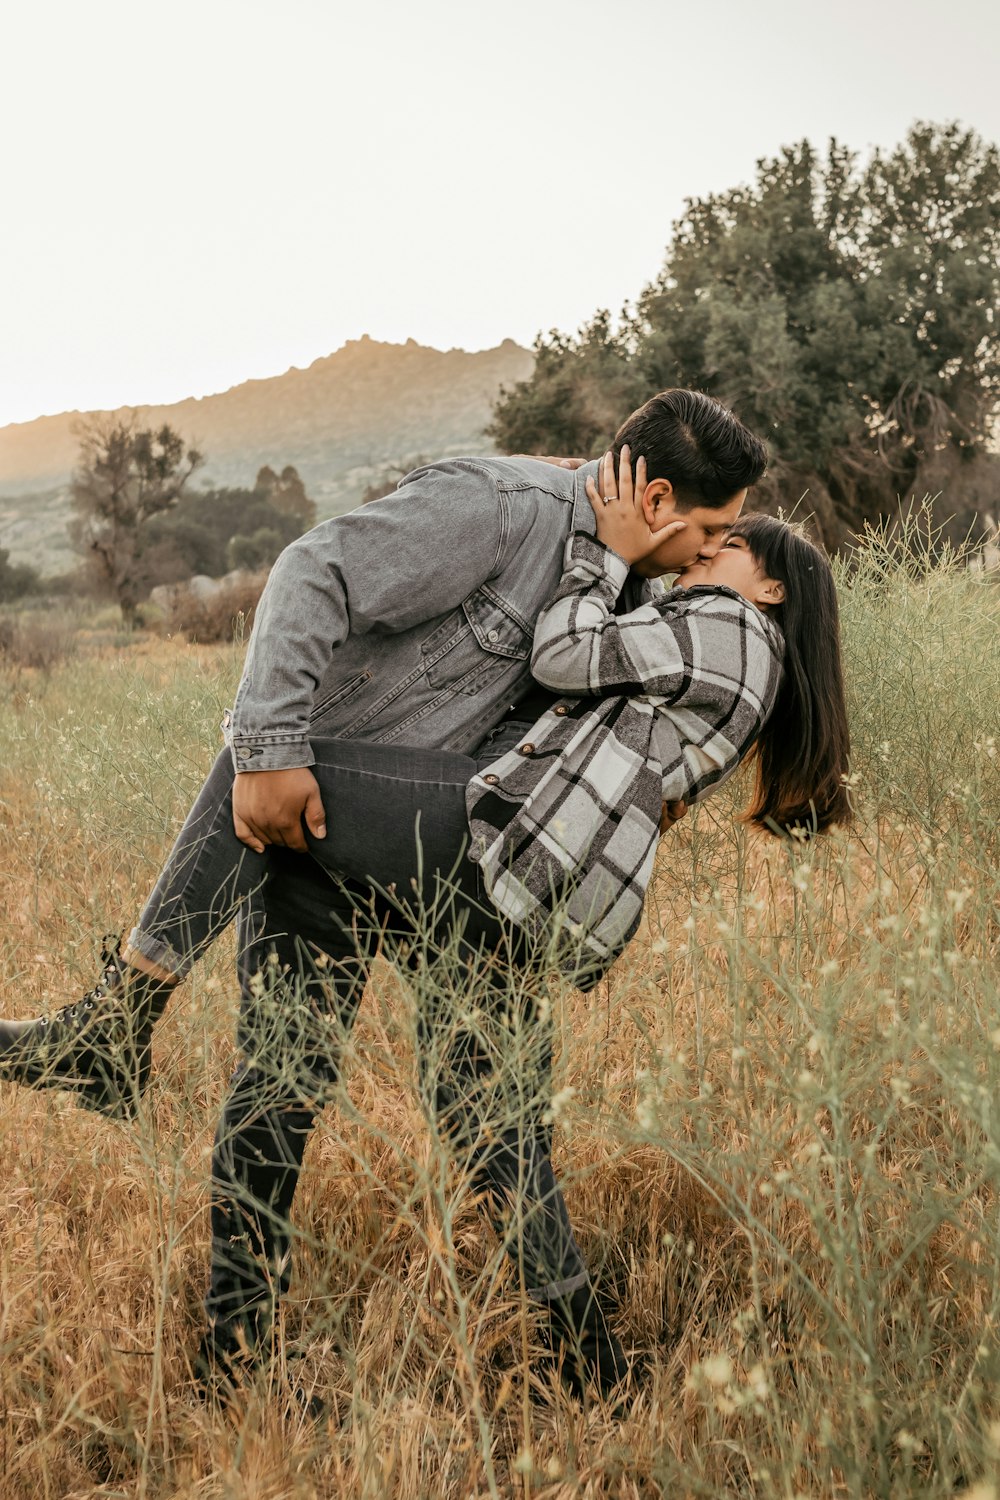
(484, 1039)
(295, 1017)
(488, 1085)
(377, 797)
(398, 814)
(401, 823)
(485, 1048)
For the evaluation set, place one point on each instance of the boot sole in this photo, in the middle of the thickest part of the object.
(117, 1098)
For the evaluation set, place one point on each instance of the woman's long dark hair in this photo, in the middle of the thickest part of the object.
(803, 750)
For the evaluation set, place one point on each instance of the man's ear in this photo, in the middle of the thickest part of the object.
(659, 501)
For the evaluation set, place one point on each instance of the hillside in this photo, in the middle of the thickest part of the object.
(341, 422)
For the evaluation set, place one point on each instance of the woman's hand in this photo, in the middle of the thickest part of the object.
(621, 520)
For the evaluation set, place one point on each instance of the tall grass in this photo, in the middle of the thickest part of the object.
(777, 1124)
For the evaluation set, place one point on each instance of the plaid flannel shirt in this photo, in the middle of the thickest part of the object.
(668, 700)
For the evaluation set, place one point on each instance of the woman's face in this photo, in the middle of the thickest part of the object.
(734, 567)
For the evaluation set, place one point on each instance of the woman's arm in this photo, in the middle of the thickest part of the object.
(579, 646)
(582, 646)
(704, 649)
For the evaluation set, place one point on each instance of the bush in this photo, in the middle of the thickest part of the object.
(16, 579)
(223, 616)
(255, 551)
(35, 640)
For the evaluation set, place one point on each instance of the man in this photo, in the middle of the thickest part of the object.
(407, 623)
(481, 538)
(412, 624)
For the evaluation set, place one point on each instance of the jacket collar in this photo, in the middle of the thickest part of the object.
(583, 512)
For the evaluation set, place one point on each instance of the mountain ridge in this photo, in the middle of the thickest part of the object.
(342, 421)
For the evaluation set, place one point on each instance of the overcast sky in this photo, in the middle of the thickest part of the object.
(201, 191)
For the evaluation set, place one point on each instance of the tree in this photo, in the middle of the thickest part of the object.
(286, 494)
(196, 535)
(127, 475)
(847, 312)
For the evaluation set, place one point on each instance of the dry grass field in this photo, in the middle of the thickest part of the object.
(778, 1124)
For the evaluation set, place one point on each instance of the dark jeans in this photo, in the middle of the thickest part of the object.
(391, 873)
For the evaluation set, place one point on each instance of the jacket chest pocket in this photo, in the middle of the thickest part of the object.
(483, 640)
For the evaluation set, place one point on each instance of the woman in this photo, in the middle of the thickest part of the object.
(564, 828)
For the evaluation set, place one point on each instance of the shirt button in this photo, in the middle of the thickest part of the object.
(491, 780)
(527, 748)
(493, 635)
(243, 755)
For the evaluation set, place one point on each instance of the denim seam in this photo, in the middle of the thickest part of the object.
(406, 780)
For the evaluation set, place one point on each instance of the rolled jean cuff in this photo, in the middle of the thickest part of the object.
(558, 1288)
(159, 952)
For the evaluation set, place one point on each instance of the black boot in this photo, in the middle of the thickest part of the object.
(232, 1354)
(226, 1371)
(577, 1332)
(99, 1047)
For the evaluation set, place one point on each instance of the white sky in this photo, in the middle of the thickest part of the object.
(200, 191)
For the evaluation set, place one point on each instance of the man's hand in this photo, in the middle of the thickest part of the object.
(672, 813)
(548, 458)
(268, 808)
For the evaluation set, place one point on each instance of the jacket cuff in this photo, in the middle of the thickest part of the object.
(281, 751)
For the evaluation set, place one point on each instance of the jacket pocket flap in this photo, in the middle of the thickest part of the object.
(495, 625)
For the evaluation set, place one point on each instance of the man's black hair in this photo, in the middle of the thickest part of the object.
(695, 442)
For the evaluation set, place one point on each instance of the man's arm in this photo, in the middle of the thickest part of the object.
(384, 567)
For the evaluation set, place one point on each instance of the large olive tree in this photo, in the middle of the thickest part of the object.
(847, 310)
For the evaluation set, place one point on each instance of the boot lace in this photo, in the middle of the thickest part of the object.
(78, 1014)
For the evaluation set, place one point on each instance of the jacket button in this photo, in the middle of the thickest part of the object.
(561, 708)
(493, 635)
(526, 749)
(491, 780)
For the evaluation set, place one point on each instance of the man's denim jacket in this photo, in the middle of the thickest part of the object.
(411, 618)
